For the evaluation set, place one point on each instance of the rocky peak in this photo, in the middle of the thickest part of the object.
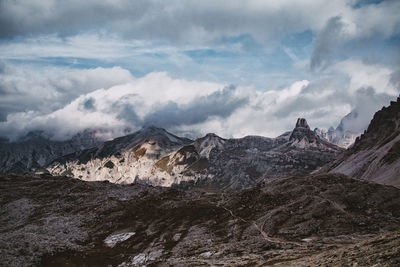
(211, 135)
(302, 132)
(302, 123)
(151, 129)
(383, 127)
(321, 133)
(160, 135)
(207, 143)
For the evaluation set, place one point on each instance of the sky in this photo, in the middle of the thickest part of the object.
(233, 68)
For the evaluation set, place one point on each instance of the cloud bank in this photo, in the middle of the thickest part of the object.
(196, 21)
(123, 103)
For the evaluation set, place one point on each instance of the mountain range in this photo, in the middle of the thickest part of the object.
(157, 157)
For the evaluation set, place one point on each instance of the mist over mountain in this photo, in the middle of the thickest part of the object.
(375, 155)
(356, 122)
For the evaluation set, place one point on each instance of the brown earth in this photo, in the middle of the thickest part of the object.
(325, 219)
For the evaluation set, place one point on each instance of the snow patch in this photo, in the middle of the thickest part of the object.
(206, 254)
(142, 258)
(112, 240)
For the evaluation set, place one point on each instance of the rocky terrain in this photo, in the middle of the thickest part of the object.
(375, 156)
(35, 151)
(327, 219)
(156, 157)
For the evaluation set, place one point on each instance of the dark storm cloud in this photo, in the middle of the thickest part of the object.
(173, 20)
(218, 104)
(183, 21)
(325, 42)
(89, 104)
(128, 113)
(395, 79)
(19, 17)
(2, 67)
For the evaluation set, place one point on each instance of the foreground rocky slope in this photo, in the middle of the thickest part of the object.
(375, 155)
(379, 251)
(58, 221)
(156, 157)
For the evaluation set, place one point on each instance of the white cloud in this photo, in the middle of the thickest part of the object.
(141, 96)
(114, 100)
(355, 26)
(45, 89)
(366, 75)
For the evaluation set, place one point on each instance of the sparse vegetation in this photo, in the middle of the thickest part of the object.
(163, 164)
(139, 152)
(109, 164)
(67, 173)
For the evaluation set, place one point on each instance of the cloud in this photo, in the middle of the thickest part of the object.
(327, 39)
(218, 104)
(46, 89)
(395, 79)
(361, 74)
(2, 67)
(174, 20)
(368, 29)
(195, 108)
(89, 104)
(119, 107)
(361, 88)
(365, 101)
(261, 43)
(194, 21)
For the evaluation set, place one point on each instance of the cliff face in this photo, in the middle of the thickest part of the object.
(375, 155)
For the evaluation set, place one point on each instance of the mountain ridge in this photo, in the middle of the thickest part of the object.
(153, 155)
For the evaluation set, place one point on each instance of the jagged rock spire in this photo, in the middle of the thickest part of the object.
(301, 122)
(302, 132)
